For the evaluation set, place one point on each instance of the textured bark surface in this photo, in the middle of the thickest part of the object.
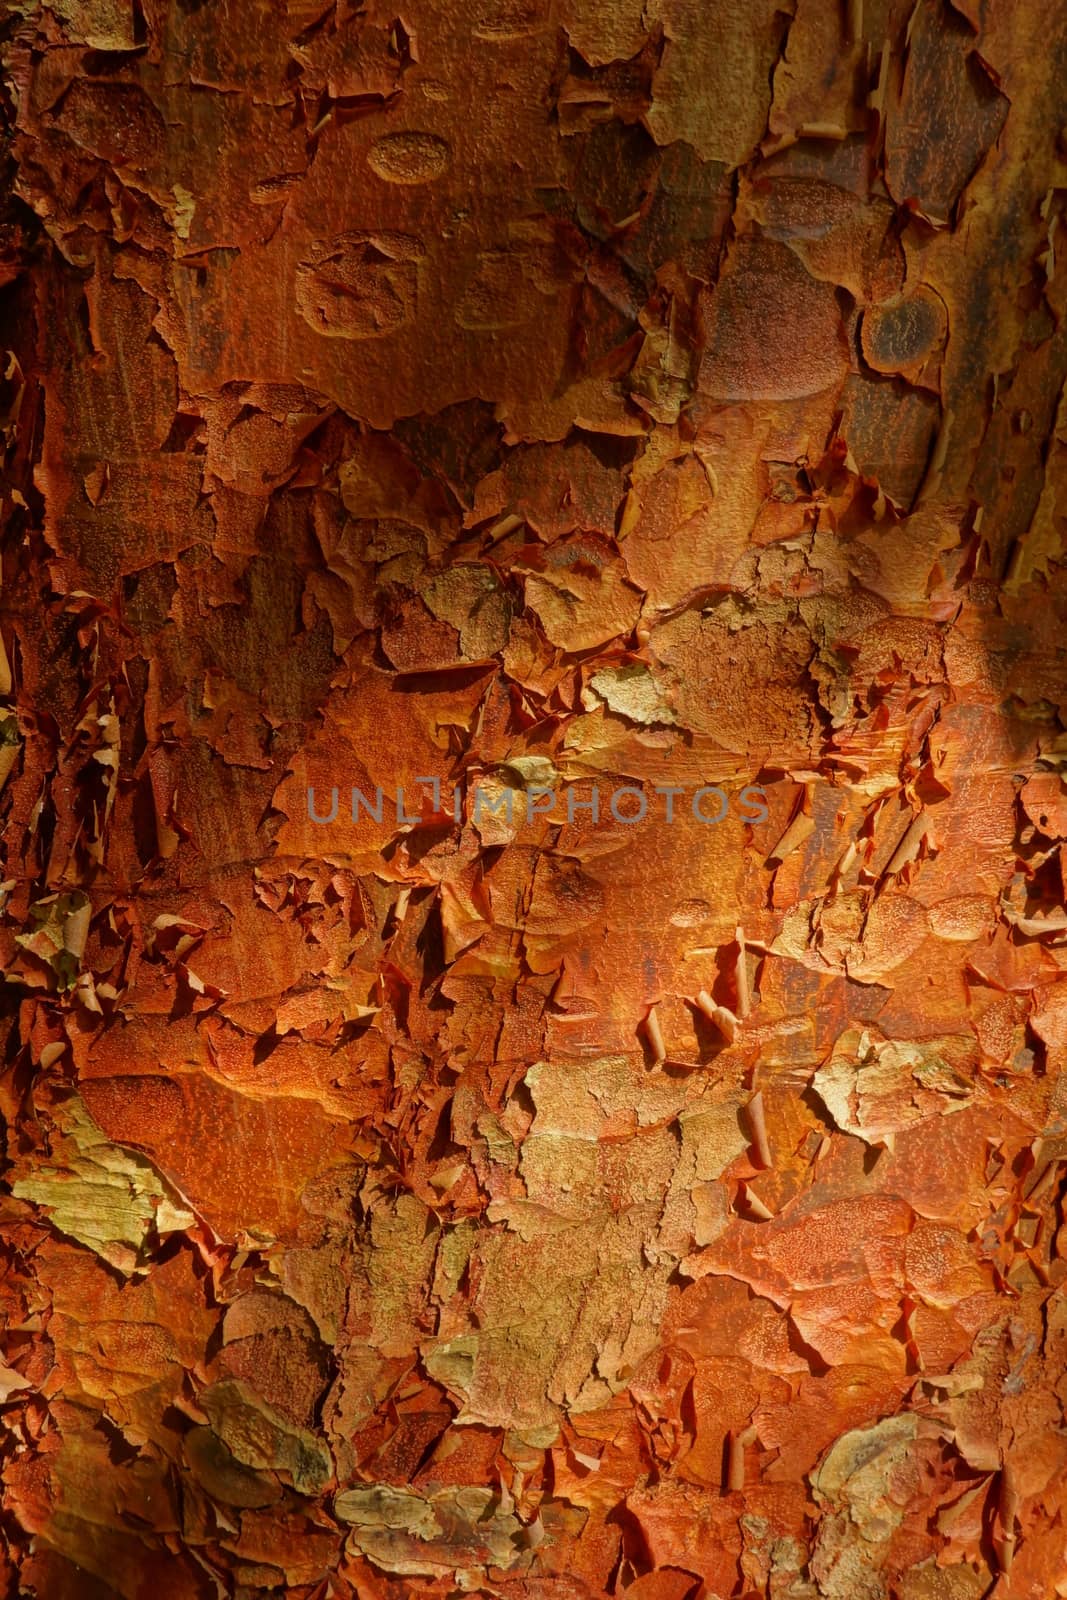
(503, 398)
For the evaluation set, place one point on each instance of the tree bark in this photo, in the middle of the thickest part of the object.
(533, 706)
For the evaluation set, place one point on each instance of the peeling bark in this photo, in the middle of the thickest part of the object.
(533, 790)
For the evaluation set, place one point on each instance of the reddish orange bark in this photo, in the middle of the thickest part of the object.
(523, 1187)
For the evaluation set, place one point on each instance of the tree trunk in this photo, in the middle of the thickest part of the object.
(532, 712)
